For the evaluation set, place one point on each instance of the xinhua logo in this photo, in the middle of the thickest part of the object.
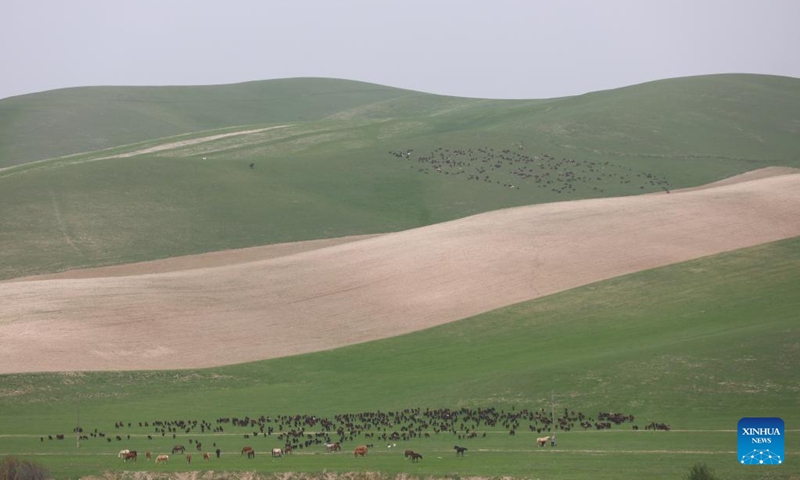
(761, 441)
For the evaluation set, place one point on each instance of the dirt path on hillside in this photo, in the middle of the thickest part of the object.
(377, 287)
(143, 151)
(185, 143)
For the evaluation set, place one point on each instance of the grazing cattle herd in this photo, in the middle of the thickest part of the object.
(299, 432)
(514, 169)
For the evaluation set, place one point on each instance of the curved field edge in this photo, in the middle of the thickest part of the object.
(697, 345)
(380, 287)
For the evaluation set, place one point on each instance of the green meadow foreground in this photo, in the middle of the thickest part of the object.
(696, 345)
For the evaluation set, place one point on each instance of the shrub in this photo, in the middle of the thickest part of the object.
(700, 471)
(12, 468)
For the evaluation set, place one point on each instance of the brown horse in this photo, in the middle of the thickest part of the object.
(246, 450)
(360, 450)
(130, 456)
(178, 448)
(206, 456)
(415, 457)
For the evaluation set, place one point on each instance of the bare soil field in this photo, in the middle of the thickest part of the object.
(285, 300)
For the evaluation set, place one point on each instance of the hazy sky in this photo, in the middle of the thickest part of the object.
(475, 48)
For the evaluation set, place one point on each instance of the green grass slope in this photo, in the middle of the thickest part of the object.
(340, 164)
(739, 116)
(697, 345)
(67, 121)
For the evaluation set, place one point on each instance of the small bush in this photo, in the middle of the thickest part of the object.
(12, 468)
(700, 471)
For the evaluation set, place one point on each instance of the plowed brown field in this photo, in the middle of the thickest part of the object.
(269, 302)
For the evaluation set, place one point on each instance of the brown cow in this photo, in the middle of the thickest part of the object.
(360, 450)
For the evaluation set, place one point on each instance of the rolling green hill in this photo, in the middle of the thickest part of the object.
(349, 158)
(73, 120)
(740, 116)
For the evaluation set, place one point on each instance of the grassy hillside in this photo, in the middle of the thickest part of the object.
(741, 116)
(350, 158)
(695, 345)
(62, 122)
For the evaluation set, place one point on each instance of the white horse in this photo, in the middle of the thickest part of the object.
(543, 440)
(332, 447)
(122, 453)
(162, 459)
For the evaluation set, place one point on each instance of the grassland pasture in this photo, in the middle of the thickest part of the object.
(311, 260)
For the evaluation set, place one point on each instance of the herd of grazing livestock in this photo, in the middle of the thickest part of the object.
(328, 434)
(514, 169)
